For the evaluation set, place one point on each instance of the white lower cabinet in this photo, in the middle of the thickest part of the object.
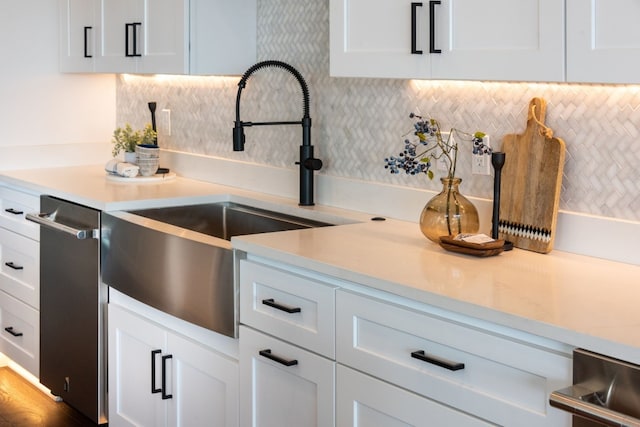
(19, 278)
(282, 384)
(20, 332)
(491, 376)
(157, 377)
(364, 401)
(316, 350)
(20, 267)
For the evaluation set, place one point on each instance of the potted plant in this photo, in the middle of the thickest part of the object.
(126, 139)
(449, 212)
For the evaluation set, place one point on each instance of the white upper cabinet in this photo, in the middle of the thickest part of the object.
(122, 35)
(158, 36)
(448, 39)
(499, 40)
(603, 41)
(373, 38)
(77, 36)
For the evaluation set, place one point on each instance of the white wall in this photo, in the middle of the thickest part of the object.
(45, 115)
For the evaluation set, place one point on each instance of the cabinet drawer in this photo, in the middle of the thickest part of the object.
(497, 379)
(20, 267)
(14, 206)
(364, 401)
(294, 308)
(282, 384)
(20, 333)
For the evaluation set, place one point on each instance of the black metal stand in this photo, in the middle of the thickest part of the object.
(497, 160)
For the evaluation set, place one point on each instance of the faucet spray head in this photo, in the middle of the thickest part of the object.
(238, 137)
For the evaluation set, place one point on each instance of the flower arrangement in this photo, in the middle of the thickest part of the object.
(429, 136)
(448, 213)
(125, 139)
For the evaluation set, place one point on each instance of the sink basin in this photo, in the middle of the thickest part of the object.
(227, 219)
(177, 272)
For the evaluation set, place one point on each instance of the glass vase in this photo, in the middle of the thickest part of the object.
(448, 213)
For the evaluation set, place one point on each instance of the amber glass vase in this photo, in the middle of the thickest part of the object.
(448, 213)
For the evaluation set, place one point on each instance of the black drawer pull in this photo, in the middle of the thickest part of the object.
(414, 28)
(153, 371)
(287, 309)
(438, 361)
(12, 332)
(13, 211)
(10, 264)
(267, 353)
(165, 396)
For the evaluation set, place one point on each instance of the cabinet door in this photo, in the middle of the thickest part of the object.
(204, 386)
(20, 333)
(499, 40)
(479, 372)
(132, 341)
(275, 395)
(14, 206)
(222, 36)
(603, 41)
(20, 267)
(165, 40)
(373, 38)
(364, 401)
(77, 34)
(120, 40)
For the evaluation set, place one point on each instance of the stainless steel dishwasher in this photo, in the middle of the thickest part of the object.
(72, 304)
(605, 392)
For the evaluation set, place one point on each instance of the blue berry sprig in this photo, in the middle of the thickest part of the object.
(429, 136)
(479, 146)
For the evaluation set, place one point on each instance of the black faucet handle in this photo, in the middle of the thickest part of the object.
(238, 137)
(312, 164)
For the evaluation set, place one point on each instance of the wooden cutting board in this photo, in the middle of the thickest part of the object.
(531, 183)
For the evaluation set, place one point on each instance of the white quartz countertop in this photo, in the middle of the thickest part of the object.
(577, 300)
(88, 185)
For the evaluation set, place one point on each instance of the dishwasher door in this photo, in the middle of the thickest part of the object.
(605, 392)
(71, 305)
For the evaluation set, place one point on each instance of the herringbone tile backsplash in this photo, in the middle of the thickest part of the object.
(357, 122)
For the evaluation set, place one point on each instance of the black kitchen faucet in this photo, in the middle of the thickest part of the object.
(307, 162)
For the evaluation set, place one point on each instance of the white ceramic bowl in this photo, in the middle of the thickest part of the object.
(148, 167)
(147, 152)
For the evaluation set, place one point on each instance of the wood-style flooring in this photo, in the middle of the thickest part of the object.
(23, 405)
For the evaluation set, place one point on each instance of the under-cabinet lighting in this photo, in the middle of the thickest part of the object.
(209, 81)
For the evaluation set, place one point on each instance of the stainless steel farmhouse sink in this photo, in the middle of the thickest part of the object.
(227, 219)
(179, 259)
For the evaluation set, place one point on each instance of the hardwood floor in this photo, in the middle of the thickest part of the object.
(23, 405)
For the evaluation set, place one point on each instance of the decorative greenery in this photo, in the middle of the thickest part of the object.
(429, 136)
(126, 139)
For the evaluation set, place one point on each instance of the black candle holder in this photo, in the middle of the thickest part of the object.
(497, 160)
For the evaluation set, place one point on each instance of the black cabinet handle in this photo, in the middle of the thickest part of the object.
(267, 353)
(13, 211)
(414, 29)
(10, 264)
(131, 28)
(438, 361)
(12, 332)
(153, 371)
(135, 38)
(287, 309)
(432, 26)
(86, 42)
(128, 28)
(165, 396)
